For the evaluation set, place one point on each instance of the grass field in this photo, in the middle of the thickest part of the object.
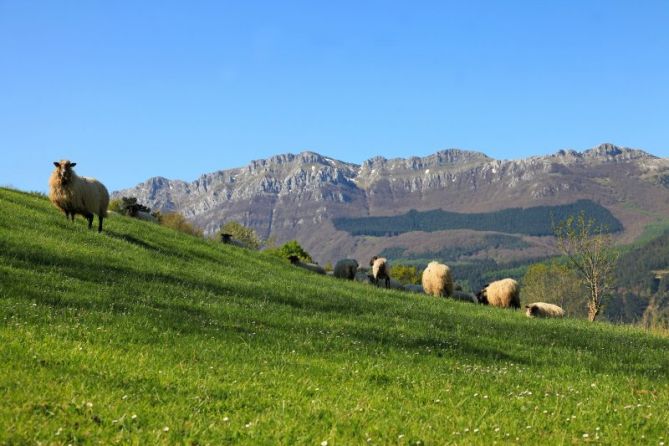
(143, 335)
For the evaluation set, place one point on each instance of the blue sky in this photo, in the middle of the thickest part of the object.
(131, 90)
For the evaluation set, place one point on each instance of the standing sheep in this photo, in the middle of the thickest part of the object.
(346, 269)
(542, 309)
(73, 194)
(503, 293)
(380, 270)
(437, 280)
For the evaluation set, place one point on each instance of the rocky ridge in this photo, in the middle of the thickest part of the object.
(297, 195)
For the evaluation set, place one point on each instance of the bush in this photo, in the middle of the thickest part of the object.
(241, 233)
(291, 248)
(177, 221)
(406, 274)
(116, 205)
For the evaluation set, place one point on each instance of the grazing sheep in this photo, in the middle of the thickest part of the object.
(437, 280)
(503, 293)
(380, 270)
(295, 260)
(73, 194)
(542, 309)
(346, 269)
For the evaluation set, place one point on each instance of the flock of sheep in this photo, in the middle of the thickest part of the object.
(85, 196)
(437, 281)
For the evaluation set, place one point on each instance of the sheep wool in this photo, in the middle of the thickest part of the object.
(74, 195)
(437, 280)
(543, 309)
(346, 269)
(503, 293)
(380, 270)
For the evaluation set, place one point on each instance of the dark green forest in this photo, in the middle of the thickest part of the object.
(536, 221)
(642, 285)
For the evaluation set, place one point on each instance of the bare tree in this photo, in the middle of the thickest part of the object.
(589, 250)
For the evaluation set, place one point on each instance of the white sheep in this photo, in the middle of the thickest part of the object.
(346, 269)
(503, 293)
(380, 270)
(73, 194)
(542, 309)
(437, 280)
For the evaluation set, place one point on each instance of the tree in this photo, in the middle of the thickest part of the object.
(240, 233)
(293, 248)
(554, 283)
(177, 221)
(405, 274)
(589, 251)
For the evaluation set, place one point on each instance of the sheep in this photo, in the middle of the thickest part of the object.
(313, 267)
(73, 194)
(542, 309)
(437, 280)
(380, 270)
(346, 269)
(501, 293)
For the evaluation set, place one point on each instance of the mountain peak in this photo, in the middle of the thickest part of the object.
(447, 157)
(610, 151)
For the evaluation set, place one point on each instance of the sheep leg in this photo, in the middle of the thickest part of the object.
(89, 217)
(100, 223)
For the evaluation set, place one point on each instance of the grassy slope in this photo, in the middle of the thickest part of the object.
(145, 335)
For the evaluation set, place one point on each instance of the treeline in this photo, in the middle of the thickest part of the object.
(635, 266)
(642, 286)
(536, 220)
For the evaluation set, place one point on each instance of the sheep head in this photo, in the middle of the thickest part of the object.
(531, 310)
(64, 170)
(482, 296)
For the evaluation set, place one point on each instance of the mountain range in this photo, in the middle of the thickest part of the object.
(300, 196)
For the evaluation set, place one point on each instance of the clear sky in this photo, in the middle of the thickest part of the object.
(134, 89)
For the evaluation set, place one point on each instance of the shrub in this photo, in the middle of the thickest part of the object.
(240, 233)
(405, 274)
(116, 205)
(291, 248)
(177, 221)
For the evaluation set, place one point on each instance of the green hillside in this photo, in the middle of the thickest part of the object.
(143, 335)
(537, 220)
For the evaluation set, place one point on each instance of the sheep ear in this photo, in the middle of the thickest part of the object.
(73, 164)
(56, 163)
